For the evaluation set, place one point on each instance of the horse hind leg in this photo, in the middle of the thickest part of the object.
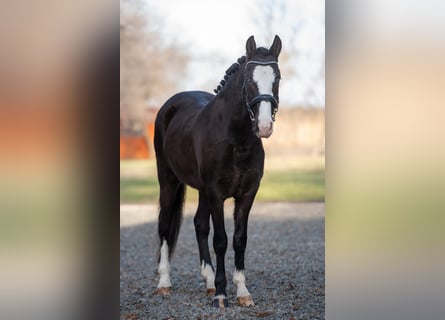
(164, 286)
(170, 217)
(202, 228)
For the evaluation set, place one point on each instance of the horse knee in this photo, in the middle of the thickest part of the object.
(200, 227)
(239, 242)
(220, 244)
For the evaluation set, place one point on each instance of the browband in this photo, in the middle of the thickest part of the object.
(261, 62)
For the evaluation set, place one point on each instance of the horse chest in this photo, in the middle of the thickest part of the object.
(230, 182)
(242, 155)
(243, 167)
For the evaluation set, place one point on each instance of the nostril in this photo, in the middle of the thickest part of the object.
(267, 127)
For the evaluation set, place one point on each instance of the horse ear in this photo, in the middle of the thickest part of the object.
(275, 48)
(250, 47)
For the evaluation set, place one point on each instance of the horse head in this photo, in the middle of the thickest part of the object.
(261, 81)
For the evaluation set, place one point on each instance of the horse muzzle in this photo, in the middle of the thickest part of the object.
(267, 106)
(265, 129)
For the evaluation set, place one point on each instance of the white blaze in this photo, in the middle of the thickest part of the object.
(164, 267)
(264, 76)
(208, 274)
(240, 281)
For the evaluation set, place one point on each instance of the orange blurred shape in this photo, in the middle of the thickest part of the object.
(34, 133)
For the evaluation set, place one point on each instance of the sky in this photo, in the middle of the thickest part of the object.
(215, 33)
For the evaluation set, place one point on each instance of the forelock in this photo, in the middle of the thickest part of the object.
(262, 51)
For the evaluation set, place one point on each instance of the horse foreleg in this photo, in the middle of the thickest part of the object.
(242, 209)
(202, 228)
(220, 247)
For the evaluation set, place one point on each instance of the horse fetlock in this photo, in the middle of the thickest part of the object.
(209, 276)
(220, 301)
(240, 281)
(164, 267)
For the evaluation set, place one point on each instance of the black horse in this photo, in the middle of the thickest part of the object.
(213, 144)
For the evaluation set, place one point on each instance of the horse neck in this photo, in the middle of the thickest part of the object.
(233, 106)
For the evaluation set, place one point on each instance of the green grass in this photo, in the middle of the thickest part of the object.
(296, 184)
(292, 185)
(139, 189)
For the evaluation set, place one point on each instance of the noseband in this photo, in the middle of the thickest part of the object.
(259, 98)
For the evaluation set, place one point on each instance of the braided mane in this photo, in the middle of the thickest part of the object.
(234, 68)
(230, 71)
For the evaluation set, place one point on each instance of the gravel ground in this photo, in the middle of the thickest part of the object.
(284, 265)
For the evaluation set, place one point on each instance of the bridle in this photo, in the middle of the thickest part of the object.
(259, 98)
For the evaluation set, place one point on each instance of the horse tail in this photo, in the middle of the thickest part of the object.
(171, 202)
(172, 191)
(176, 218)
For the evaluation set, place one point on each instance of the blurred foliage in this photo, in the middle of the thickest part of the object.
(149, 65)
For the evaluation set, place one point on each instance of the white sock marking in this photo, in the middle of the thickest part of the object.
(240, 281)
(264, 76)
(208, 275)
(164, 267)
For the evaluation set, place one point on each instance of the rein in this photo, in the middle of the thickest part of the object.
(261, 97)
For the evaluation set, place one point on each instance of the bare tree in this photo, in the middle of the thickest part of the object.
(269, 19)
(149, 65)
(275, 17)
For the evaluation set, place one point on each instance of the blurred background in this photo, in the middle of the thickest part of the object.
(172, 46)
(385, 141)
(385, 177)
(56, 59)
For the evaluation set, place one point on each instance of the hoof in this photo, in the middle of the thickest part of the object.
(220, 302)
(245, 301)
(211, 292)
(164, 291)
